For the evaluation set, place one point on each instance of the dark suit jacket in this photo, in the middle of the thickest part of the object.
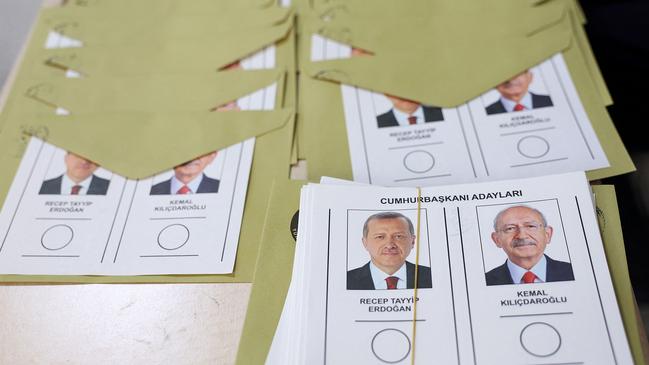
(207, 185)
(431, 114)
(361, 278)
(554, 271)
(98, 186)
(538, 101)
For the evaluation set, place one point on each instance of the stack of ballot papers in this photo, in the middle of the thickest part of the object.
(142, 142)
(503, 272)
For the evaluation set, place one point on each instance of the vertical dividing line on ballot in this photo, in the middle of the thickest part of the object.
(414, 309)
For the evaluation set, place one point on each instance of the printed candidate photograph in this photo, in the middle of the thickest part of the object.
(381, 252)
(71, 174)
(524, 91)
(393, 111)
(201, 175)
(524, 243)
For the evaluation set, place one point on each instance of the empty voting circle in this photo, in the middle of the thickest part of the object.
(173, 237)
(418, 161)
(57, 237)
(533, 146)
(540, 339)
(391, 345)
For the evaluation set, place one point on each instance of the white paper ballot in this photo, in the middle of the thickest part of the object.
(508, 272)
(531, 125)
(183, 221)
(116, 226)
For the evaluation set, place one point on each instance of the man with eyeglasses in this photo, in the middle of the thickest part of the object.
(523, 233)
(388, 237)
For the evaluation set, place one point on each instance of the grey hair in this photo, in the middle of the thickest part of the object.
(502, 212)
(387, 215)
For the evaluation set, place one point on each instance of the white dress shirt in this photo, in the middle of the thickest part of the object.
(517, 272)
(192, 185)
(402, 118)
(67, 184)
(379, 276)
(526, 101)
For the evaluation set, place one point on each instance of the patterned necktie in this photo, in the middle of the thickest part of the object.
(518, 107)
(183, 190)
(529, 277)
(75, 190)
(392, 282)
(412, 119)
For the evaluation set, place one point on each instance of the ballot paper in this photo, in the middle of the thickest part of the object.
(399, 142)
(109, 225)
(468, 242)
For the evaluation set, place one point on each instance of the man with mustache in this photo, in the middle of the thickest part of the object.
(388, 237)
(515, 97)
(189, 179)
(523, 233)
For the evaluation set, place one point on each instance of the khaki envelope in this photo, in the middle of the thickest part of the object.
(202, 54)
(458, 72)
(145, 27)
(611, 230)
(272, 278)
(167, 6)
(163, 92)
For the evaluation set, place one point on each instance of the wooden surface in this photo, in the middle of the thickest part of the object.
(121, 324)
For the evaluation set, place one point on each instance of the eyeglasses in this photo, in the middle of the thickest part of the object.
(526, 227)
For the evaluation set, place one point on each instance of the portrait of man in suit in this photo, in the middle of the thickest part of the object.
(189, 178)
(407, 112)
(515, 96)
(78, 179)
(388, 237)
(523, 233)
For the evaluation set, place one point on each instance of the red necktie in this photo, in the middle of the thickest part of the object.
(412, 120)
(518, 107)
(529, 277)
(75, 190)
(183, 190)
(392, 282)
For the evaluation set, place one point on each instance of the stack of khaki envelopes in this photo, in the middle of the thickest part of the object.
(442, 54)
(139, 92)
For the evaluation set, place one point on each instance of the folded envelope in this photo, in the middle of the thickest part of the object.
(456, 73)
(354, 32)
(164, 92)
(76, 28)
(202, 54)
(434, 30)
(167, 6)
